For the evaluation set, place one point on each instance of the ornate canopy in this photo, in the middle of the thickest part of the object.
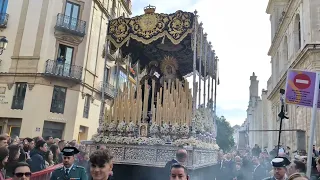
(153, 36)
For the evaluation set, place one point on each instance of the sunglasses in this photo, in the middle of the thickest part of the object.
(19, 175)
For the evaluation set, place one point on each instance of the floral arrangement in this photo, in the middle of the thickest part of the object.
(122, 126)
(131, 127)
(154, 128)
(195, 143)
(112, 126)
(184, 130)
(165, 128)
(132, 140)
(103, 128)
(175, 128)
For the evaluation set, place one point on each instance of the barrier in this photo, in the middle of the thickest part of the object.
(44, 174)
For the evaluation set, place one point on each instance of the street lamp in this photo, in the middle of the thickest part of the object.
(3, 44)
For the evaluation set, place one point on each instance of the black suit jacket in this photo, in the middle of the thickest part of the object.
(259, 173)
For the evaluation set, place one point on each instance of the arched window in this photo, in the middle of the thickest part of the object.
(285, 49)
(297, 33)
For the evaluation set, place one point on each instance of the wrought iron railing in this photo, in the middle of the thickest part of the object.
(3, 20)
(17, 102)
(64, 70)
(71, 25)
(109, 89)
(86, 111)
(57, 106)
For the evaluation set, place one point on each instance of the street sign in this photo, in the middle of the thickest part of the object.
(300, 88)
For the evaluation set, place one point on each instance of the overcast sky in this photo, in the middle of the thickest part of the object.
(240, 33)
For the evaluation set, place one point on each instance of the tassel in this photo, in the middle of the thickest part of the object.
(128, 43)
(164, 37)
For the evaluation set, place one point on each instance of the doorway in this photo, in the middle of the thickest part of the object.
(67, 53)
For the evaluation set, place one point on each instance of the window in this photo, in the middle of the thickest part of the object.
(107, 75)
(58, 99)
(72, 12)
(86, 108)
(123, 78)
(19, 95)
(67, 53)
(14, 131)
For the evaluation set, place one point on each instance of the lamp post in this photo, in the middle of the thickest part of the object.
(3, 44)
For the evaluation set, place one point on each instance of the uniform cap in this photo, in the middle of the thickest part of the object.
(69, 151)
(280, 162)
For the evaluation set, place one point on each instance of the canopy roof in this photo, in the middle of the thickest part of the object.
(153, 36)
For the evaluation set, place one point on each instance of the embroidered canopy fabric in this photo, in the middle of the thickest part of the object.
(148, 28)
(153, 36)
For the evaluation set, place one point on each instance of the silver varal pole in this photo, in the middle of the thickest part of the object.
(200, 61)
(205, 69)
(215, 94)
(313, 124)
(194, 62)
(212, 69)
(102, 106)
(209, 74)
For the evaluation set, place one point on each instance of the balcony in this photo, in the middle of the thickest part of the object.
(57, 106)
(63, 70)
(109, 89)
(71, 25)
(17, 102)
(4, 20)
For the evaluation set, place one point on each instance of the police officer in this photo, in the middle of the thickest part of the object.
(279, 168)
(69, 169)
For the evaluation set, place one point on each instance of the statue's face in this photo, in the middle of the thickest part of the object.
(169, 69)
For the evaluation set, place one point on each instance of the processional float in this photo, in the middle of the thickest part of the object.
(148, 122)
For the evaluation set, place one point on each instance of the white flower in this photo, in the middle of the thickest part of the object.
(165, 128)
(112, 126)
(184, 130)
(122, 126)
(154, 128)
(131, 127)
(175, 128)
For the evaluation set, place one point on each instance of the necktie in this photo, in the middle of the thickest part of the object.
(67, 172)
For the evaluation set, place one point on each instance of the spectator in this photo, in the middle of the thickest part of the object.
(14, 154)
(297, 167)
(101, 164)
(178, 171)
(4, 155)
(36, 139)
(21, 171)
(49, 140)
(3, 141)
(49, 159)
(56, 141)
(37, 156)
(28, 144)
(15, 140)
(6, 135)
(181, 157)
(56, 154)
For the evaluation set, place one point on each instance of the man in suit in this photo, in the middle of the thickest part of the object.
(279, 168)
(69, 169)
(181, 158)
(259, 171)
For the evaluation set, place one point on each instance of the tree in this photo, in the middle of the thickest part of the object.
(224, 134)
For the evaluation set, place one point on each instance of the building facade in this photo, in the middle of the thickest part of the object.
(257, 114)
(51, 73)
(295, 44)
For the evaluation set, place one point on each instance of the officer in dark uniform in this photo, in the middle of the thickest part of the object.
(69, 171)
(279, 168)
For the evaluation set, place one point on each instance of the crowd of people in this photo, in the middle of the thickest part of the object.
(20, 158)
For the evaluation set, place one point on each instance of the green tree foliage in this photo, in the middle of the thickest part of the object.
(224, 134)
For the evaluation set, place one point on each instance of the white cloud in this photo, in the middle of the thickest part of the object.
(240, 34)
